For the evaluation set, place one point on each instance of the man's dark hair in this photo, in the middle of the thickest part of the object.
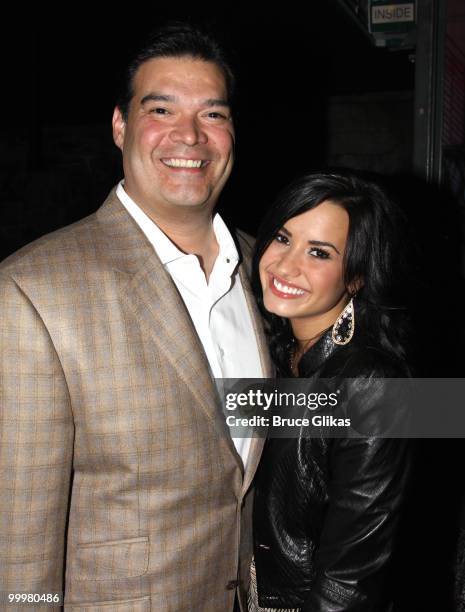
(176, 39)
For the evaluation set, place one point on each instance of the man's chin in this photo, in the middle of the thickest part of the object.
(191, 201)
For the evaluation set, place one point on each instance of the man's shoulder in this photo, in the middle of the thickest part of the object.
(56, 246)
(68, 247)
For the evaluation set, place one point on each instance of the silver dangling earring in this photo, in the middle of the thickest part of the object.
(343, 328)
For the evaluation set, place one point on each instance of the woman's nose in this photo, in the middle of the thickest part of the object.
(288, 264)
(188, 131)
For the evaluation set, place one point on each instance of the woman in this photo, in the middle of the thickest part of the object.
(326, 509)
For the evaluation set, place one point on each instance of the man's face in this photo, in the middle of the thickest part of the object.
(178, 139)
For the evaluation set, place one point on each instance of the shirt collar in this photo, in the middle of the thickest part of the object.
(166, 250)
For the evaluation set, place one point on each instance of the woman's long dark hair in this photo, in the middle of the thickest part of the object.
(373, 254)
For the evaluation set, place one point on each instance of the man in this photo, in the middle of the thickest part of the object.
(114, 455)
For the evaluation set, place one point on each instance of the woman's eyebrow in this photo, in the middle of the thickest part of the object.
(312, 242)
(323, 243)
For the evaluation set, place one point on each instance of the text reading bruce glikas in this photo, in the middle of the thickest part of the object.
(256, 398)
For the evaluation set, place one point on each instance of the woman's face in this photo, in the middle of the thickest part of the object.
(301, 272)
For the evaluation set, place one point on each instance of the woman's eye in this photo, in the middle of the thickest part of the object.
(281, 238)
(319, 253)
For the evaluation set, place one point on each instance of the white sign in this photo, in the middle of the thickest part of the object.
(393, 13)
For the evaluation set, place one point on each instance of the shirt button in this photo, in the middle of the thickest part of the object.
(227, 260)
(221, 352)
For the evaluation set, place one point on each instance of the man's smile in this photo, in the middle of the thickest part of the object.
(178, 162)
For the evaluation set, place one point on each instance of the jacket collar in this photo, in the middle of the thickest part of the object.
(148, 292)
(315, 357)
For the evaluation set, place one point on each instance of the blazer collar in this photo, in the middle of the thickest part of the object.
(256, 444)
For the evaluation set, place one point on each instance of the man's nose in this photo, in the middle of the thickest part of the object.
(188, 131)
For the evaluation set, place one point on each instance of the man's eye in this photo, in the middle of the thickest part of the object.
(159, 111)
(216, 115)
(319, 253)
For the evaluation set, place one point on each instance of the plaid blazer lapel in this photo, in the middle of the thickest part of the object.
(256, 445)
(267, 366)
(149, 293)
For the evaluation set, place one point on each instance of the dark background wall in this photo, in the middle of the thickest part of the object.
(306, 83)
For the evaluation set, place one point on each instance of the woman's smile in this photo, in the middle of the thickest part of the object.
(284, 289)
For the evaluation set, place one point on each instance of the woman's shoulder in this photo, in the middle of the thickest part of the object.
(365, 360)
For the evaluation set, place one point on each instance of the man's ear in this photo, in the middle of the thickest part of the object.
(119, 126)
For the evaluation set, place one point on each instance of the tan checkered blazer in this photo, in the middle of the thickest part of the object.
(114, 454)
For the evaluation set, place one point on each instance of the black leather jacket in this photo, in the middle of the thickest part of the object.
(326, 509)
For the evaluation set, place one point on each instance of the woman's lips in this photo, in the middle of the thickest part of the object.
(284, 290)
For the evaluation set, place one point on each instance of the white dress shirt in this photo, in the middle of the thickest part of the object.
(218, 309)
